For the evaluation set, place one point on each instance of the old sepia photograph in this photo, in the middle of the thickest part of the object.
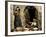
(25, 18)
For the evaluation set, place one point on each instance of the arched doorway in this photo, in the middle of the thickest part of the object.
(31, 13)
(31, 16)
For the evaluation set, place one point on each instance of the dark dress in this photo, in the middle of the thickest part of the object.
(17, 22)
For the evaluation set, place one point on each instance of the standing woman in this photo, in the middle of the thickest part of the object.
(17, 20)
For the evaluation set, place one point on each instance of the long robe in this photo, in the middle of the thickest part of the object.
(17, 21)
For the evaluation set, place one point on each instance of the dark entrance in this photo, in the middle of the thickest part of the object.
(31, 12)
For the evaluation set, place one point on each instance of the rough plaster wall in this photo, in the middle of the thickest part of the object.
(39, 8)
(12, 17)
(22, 15)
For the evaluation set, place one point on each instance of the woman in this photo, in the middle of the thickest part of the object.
(17, 20)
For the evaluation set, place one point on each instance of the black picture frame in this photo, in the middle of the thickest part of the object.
(6, 18)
